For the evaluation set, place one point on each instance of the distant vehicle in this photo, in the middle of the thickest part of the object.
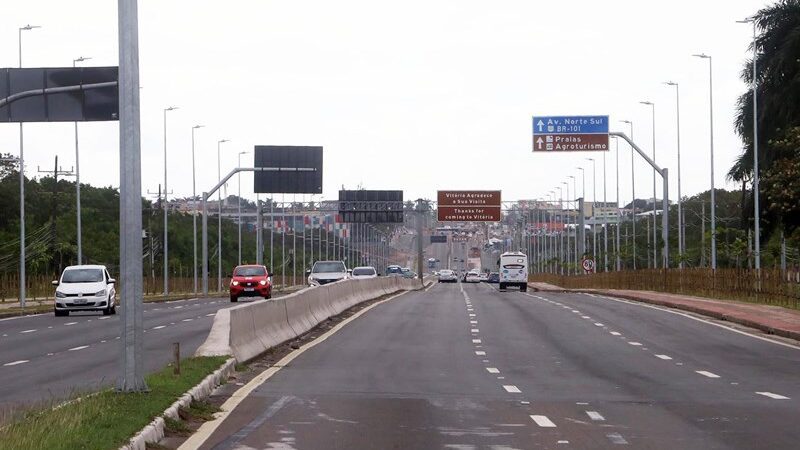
(408, 273)
(472, 277)
(324, 272)
(514, 270)
(447, 276)
(483, 277)
(363, 273)
(494, 277)
(85, 288)
(250, 281)
(394, 270)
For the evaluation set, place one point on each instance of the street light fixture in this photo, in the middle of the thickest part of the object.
(711, 141)
(655, 231)
(756, 177)
(194, 216)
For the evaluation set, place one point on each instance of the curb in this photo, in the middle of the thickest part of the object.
(154, 431)
(697, 310)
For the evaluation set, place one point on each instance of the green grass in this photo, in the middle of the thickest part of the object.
(109, 419)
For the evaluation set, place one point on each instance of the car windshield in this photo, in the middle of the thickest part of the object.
(363, 271)
(328, 267)
(249, 272)
(82, 276)
(394, 269)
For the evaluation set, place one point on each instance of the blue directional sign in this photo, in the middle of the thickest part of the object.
(570, 125)
(570, 133)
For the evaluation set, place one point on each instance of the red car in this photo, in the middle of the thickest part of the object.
(250, 281)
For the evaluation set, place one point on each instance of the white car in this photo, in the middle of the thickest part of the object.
(473, 277)
(447, 276)
(363, 273)
(324, 272)
(85, 288)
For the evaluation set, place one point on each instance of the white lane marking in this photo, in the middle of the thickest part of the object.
(69, 323)
(501, 378)
(581, 403)
(472, 315)
(493, 370)
(617, 438)
(78, 348)
(27, 331)
(562, 442)
(211, 314)
(585, 317)
(187, 320)
(706, 373)
(664, 357)
(543, 421)
(576, 311)
(21, 361)
(634, 343)
(177, 307)
(512, 389)
(103, 318)
(616, 333)
(159, 327)
(598, 324)
(474, 330)
(699, 319)
(49, 328)
(480, 353)
(594, 415)
(773, 396)
(476, 341)
(103, 342)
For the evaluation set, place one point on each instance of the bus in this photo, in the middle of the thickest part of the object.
(514, 270)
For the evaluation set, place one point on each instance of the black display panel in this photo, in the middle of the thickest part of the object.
(294, 169)
(371, 206)
(77, 106)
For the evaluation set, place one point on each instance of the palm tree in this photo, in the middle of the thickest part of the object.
(778, 69)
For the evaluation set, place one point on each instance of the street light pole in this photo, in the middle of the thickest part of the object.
(22, 280)
(655, 231)
(575, 249)
(633, 195)
(239, 201)
(605, 218)
(619, 219)
(566, 248)
(194, 216)
(681, 236)
(78, 181)
(711, 128)
(219, 219)
(166, 206)
(594, 206)
(756, 177)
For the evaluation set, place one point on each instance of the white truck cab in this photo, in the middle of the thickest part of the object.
(514, 270)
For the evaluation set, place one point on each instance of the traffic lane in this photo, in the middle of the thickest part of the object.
(94, 364)
(55, 334)
(755, 364)
(622, 384)
(404, 375)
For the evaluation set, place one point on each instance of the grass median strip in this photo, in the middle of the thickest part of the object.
(106, 420)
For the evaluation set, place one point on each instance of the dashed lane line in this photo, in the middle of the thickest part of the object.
(594, 415)
(477, 341)
(512, 389)
(70, 323)
(15, 363)
(73, 349)
(543, 421)
(480, 353)
(773, 396)
(27, 331)
(664, 357)
(706, 373)
(636, 344)
(493, 370)
(616, 439)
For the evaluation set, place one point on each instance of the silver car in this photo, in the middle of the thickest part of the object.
(447, 276)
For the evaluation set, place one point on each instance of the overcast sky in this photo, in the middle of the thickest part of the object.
(412, 95)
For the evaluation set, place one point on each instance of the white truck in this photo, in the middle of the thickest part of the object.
(514, 270)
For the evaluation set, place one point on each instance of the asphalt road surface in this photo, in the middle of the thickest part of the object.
(469, 367)
(44, 357)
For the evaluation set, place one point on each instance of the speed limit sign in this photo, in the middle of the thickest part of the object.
(588, 265)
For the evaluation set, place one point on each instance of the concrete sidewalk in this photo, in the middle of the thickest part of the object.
(770, 319)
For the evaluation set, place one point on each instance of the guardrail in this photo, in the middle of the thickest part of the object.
(246, 331)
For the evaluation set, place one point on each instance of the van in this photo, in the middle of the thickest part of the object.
(514, 270)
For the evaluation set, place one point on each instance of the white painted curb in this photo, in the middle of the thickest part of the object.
(154, 431)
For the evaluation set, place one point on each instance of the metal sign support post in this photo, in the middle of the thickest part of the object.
(664, 202)
(582, 226)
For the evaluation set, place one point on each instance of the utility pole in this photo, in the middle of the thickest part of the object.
(53, 211)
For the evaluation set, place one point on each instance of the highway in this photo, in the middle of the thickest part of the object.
(44, 357)
(469, 367)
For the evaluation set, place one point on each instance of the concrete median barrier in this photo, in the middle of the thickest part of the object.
(245, 331)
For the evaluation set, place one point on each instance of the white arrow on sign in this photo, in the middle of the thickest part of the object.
(540, 124)
(539, 141)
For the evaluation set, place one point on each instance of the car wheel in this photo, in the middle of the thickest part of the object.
(234, 299)
(523, 288)
(502, 286)
(107, 310)
(113, 307)
(61, 313)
